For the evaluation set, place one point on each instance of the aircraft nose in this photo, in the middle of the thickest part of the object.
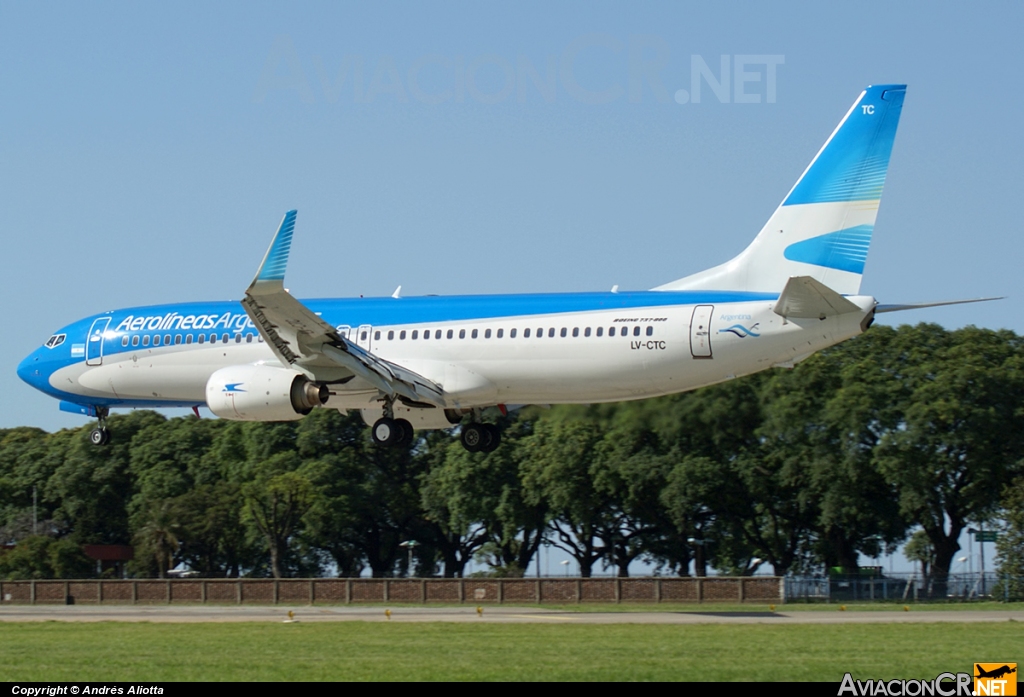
(30, 370)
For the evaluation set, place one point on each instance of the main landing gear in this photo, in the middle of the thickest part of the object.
(480, 438)
(393, 432)
(101, 434)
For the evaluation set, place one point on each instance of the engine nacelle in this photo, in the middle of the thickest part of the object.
(262, 393)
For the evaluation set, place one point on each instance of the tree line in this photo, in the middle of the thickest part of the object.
(916, 428)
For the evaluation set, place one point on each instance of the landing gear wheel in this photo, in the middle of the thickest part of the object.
(480, 438)
(494, 438)
(99, 436)
(474, 436)
(385, 432)
(407, 432)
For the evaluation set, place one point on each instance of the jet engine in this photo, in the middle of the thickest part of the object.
(262, 393)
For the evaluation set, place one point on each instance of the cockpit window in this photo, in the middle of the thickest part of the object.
(55, 340)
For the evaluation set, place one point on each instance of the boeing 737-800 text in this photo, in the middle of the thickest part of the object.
(428, 362)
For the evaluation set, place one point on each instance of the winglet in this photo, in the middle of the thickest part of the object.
(276, 259)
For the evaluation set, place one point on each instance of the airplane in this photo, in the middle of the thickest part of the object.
(429, 362)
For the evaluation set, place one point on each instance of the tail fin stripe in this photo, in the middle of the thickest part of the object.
(846, 250)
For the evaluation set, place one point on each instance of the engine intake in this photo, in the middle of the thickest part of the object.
(263, 393)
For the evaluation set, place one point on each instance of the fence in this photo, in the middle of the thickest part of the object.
(903, 587)
(761, 589)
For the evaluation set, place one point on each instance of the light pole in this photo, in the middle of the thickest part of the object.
(410, 545)
(698, 562)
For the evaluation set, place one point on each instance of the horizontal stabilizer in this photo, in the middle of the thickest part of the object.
(918, 306)
(805, 298)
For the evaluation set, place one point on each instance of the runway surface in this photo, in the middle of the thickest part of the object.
(501, 614)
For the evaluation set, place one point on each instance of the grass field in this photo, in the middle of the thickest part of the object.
(109, 651)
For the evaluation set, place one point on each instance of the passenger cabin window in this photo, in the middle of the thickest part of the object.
(450, 333)
(487, 333)
(391, 335)
(124, 340)
(586, 332)
(135, 340)
(526, 333)
(156, 340)
(462, 333)
(611, 331)
(512, 333)
(188, 338)
(636, 330)
(376, 335)
(475, 333)
(551, 333)
(177, 339)
(415, 334)
(167, 339)
(562, 333)
(575, 331)
(401, 335)
(600, 331)
(650, 330)
(248, 338)
(202, 338)
(500, 333)
(437, 334)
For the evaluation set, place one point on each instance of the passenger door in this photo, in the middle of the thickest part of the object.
(94, 342)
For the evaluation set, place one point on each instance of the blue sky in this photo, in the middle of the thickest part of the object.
(148, 152)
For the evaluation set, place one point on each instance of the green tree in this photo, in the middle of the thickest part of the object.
(275, 503)
(1010, 544)
(94, 485)
(475, 501)
(41, 557)
(157, 540)
(960, 436)
(368, 499)
(558, 470)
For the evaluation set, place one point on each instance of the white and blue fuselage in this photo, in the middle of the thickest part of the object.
(484, 350)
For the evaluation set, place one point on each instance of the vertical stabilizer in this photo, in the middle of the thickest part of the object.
(823, 227)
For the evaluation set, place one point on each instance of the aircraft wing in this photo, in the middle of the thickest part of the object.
(301, 339)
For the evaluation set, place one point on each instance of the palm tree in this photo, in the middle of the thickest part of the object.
(159, 535)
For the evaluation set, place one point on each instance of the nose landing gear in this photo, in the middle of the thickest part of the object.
(101, 434)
